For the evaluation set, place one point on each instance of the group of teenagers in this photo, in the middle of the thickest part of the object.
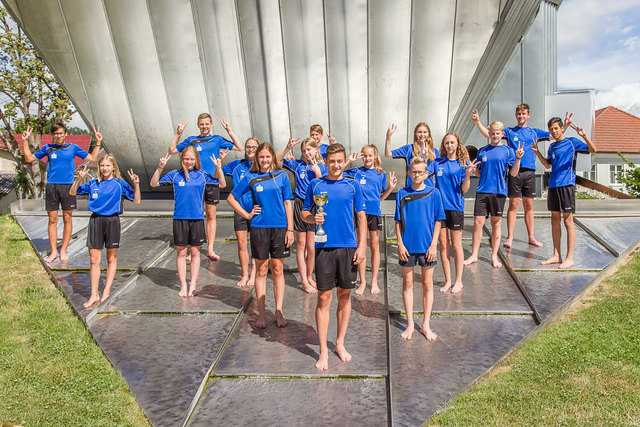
(429, 209)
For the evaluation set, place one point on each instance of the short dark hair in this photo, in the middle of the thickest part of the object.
(58, 125)
(336, 148)
(553, 121)
(523, 106)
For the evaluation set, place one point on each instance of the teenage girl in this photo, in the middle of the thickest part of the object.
(422, 147)
(188, 214)
(271, 224)
(453, 177)
(105, 201)
(373, 180)
(310, 167)
(238, 169)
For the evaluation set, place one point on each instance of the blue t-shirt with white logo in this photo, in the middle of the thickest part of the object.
(561, 155)
(238, 169)
(517, 135)
(418, 211)
(61, 165)
(269, 190)
(406, 152)
(105, 197)
(449, 178)
(343, 201)
(188, 194)
(495, 160)
(372, 185)
(206, 146)
(304, 174)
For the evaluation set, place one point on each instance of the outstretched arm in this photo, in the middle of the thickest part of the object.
(583, 135)
(387, 142)
(519, 153)
(93, 156)
(392, 184)
(155, 179)
(467, 178)
(482, 128)
(237, 146)
(74, 187)
(174, 141)
(539, 155)
(292, 143)
(28, 155)
(136, 186)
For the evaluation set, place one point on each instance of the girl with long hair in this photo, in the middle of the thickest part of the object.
(422, 146)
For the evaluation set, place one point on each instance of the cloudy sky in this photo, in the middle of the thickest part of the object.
(599, 48)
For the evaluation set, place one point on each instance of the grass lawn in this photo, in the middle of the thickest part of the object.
(583, 370)
(51, 370)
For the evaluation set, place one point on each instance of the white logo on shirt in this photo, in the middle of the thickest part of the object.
(303, 174)
(484, 158)
(363, 181)
(95, 194)
(181, 184)
(553, 156)
(515, 138)
(259, 188)
(54, 155)
(199, 148)
(440, 171)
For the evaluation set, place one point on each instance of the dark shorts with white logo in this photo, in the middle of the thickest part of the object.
(562, 199)
(104, 232)
(240, 223)
(335, 267)
(374, 222)
(298, 224)
(189, 232)
(267, 242)
(523, 184)
(454, 220)
(57, 195)
(489, 204)
(212, 194)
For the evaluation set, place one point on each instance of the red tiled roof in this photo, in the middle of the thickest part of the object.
(616, 130)
(83, 141)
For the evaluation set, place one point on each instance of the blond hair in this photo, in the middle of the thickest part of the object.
(431, 154)
(461, 151)
(116, 169)
(496, 125)
(313, 143)
(377, 162)
(195, 167)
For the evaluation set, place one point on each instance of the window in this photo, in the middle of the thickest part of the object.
(590, 174)
(614, 174)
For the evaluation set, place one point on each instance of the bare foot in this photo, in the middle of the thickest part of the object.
(534, 242)
(495, 262)
(52, 257)
(105, 295)
(446, 287)
(361, 288)
(323, 362)
(408, 333)
(507, 244)
(91, 301)
(64, 256)
(261, 322)
(375, 290)
(428, 333)
(309, 289)
(213, 256)
(281, 322)
(457, 288)
(193, 292)
(311, 282)
(553, 260)
(249, 283)
(342, 353)
(183, 292)
(242, 282)
(568, 263)
(470, 260)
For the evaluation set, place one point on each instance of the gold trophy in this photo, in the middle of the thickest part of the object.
(320, 200)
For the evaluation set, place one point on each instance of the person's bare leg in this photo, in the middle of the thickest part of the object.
(478, 223)
(496, 236)
(95, 256)
(343, 314)
(181, 267)
(262, 267)
(443, 240)
(112, 266)
(374, 245)
(427, 302)
(67, 219)
(556, 235)
(211, 230)
(301, 246)
(310, 258)
(52, 230)
(514, 202)
(571, 239)
(277, 274)
(322, 325)
(195, 270)
(458, 256)
(252, 275)
(527, 205)
(407, 298)
(243, 257)
(362, 273)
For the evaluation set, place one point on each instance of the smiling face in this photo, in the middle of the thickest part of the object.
(556, 132)
(315, 135)
(368, 157)
(204, 125)
(495, 135)
(422, 134)
(58, 136)
(189, 160)
(335, 163)
(250, 149)
(522, 116)
(309, 152)
(106, 168)
(265, 160)
(451, 146)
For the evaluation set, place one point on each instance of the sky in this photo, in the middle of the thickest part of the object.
(599, 48)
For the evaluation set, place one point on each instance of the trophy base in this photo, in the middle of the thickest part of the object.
(321, 238)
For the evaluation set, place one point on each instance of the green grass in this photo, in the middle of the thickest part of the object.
(583, 370)
(581, 195)
(51, 370)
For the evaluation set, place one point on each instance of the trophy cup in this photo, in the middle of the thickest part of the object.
(320, 200)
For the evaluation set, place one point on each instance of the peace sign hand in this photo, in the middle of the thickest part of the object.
(352, 158)
(181, 127)
(26, 134)
(97, 134)
(223, 154)
(133, 177)
(82, 172)
(163, 161)
(474, 115)
(520, 150)
(292, 143)
(472, 167)
(534, 146)
(567, 119)
(579, 130)
(331, 139)
(392, 179)
(391, 130)
(225, 125)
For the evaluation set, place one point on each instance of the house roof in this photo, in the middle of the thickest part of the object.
(83, 141)
(616, 130)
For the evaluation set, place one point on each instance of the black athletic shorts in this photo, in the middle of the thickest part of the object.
(267, 242)
(240, 223)
(562, 199)
(335, 267)
(417, 259)
(523, 184)
(489, 204)
(374, 222)
(212, 194)
(298, 223)
(189, 232)
(104, 232)
(454, 220)
(57, 195)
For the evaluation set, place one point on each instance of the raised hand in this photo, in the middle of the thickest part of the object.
(534, 146)
(392, 179)
(97, 134)
(223, 154)
(472, 166)
(520, 150)
(226, 125)
(26, 134)
(133, 177)
(391, 130)
(474, 115)
(181, 126)
(580, 130)
(290, 156)
(292, 143)
(352, 158)
(567, 119)
(331, 139)
(82, 173)
(163, 161)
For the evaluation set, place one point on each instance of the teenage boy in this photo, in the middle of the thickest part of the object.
(419, 213)
(523, 185)
(562, 186)
(337, 259)
(491, 194)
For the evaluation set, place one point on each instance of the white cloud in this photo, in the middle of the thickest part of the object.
(623, 96)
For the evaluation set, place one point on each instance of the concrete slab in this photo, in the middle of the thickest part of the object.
(425, 375)
(619, 233)
(163, 358)
(35, 227)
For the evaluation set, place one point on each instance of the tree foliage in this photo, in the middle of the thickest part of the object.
(30, 94)
(631, 177)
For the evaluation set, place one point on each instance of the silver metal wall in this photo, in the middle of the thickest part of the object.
(271, 68)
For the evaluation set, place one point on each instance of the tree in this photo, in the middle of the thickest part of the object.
(631, 177)
(30, 95)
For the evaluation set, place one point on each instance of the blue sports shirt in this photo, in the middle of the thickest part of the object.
(493, 168)
(449, 178)
(188, 194)
(304, 174)
(372, 185)
(323, 150)
(269, 190)
(105, 197)
(207, 146)
(61, 164)
(561, 155)
(406, 152)
(238, 169)
(517, 135)
(344, 200)
(417, 211)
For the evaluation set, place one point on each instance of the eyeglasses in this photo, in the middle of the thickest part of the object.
(417, 173)
(250, 148)
(59, 134)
